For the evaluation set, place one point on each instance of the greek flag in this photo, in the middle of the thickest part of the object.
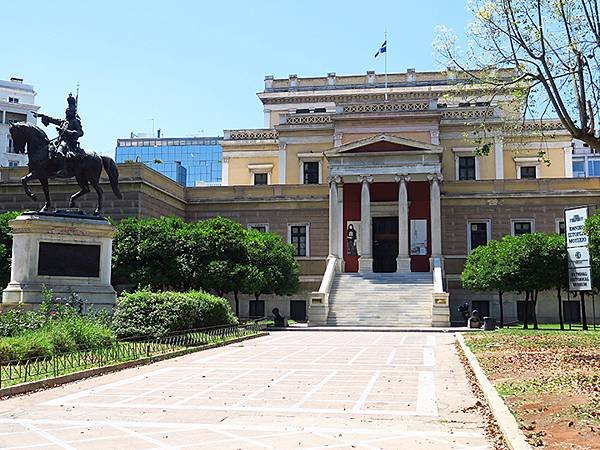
(383, 49)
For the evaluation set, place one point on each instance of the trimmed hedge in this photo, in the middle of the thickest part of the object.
(147, 313)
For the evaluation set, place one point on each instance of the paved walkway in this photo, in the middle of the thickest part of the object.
(289, 390)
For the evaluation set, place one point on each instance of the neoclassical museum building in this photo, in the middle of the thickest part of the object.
(382, 191)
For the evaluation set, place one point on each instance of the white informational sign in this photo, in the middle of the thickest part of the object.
(580, 279)
(578, 257)
(418, 237)
(578, 254)
(574, 222)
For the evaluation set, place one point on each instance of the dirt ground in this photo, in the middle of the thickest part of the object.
(550, 381)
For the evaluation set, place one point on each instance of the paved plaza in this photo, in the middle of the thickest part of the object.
(289, 390)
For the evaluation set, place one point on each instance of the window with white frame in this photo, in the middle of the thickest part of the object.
(310, 172)
(13, 100)
(311, 168)
(527, 167)
(466, 164)
(260, 174)
(298, 236)
(478, 233)
(528, 172)
(560, 226)
(261, 179)
(522, 226)
(261, 227)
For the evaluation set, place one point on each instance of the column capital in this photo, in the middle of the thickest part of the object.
(437, 177)
(402, 177)
(365, 178)
(335, 179)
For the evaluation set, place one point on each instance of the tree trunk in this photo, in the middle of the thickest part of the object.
(500, 293)
(583, 315)
(560, 309)
(526, 318)
(237, 304)
(534, 295)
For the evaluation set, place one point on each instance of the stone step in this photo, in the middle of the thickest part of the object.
(381, 300)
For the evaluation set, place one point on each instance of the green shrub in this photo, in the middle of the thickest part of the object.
(53, 330)
(147, 313)
(19, 320)
(214, 310)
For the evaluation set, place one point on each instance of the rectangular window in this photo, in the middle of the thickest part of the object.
(578, 169)
(560, 226)
(261, 227)
(13, 100)
(466, 167)
(13, 164)
(482, 307)
(302, 111)
(478, 234)
(571, 311)
(528, 172)
(260, 179)
(298, 239)
(320, 110)
(521, 311)
(311, 172)
(522, 227)
(257, 308)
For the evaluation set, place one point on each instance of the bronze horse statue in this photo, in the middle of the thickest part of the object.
(44, 164)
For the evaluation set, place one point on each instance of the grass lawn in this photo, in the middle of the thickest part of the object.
(550, 380)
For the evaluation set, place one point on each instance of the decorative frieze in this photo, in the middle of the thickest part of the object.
(251, 134)
(543, 125)
(305, 119)
(385, 107)
(471, 113)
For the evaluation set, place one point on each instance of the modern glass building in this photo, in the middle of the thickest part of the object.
(190, 162)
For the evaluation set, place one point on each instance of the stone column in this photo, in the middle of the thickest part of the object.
(499, 157)
(403, 260)
(225, 171)
(282, 162)
(436, 214)
(334, 224)
(365, 262)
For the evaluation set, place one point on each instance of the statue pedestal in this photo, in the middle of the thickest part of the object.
(63, 252)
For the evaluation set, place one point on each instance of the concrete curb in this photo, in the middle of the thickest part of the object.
(31, 386)
(382, 329)
(506, 421)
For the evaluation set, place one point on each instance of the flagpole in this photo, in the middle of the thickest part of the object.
(385, 56)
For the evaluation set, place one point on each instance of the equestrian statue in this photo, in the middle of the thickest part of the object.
(62, 157)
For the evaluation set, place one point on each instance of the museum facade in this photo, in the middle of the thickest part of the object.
(382, 191)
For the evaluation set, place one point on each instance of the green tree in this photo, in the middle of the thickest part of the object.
(148, 252)
(484, 271)
(553, 47)
(216, 257)
(525, 259)
(6, 246)
(272, 267)
(556, 269)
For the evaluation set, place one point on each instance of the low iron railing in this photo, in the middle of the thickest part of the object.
(41, 367)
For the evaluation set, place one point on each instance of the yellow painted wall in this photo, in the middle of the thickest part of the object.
(293, 161)
(556, 168)
(239, 174)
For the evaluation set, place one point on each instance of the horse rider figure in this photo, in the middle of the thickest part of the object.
(69, 132)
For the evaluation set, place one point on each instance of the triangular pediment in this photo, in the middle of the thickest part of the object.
(384, 143)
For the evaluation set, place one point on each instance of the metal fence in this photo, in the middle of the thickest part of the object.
(41, 367)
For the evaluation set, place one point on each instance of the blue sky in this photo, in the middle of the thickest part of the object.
(194, 66)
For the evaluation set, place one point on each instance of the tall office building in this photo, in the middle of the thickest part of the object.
(190, 161)
(16, 105)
